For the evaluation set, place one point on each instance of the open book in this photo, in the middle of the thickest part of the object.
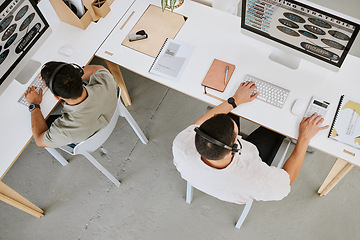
(346, 125)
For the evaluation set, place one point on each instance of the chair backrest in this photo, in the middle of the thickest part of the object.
(96, 140)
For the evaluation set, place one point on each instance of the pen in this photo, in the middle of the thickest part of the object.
(226, 73)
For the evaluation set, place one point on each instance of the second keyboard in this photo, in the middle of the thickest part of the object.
(269, 92)
(38, 83)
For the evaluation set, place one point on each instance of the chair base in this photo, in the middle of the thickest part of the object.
(57, 156)
(244, 214)
(189, 193)
(64, 162)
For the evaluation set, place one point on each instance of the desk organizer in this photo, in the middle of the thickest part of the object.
(93, 12)
(101, 7)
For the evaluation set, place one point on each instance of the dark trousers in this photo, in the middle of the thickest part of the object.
(266, 141)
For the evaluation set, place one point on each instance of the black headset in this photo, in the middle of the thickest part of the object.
(234, 149)
(57, 69)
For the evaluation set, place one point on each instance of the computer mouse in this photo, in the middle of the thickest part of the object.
(66, 50)
(298, 106)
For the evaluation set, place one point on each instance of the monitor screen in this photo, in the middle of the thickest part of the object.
(309, 30)
(21, 26)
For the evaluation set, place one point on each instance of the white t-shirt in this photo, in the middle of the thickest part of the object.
(246, 178)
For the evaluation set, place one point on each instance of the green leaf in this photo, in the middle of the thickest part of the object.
(163, 4)
(172, 4)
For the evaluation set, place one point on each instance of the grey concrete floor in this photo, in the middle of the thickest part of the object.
(80, 203)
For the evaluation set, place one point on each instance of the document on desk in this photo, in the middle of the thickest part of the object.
(346, 124)
(172, 59)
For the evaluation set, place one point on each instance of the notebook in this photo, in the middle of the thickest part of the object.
(215, 77)
(172, 59)
(346, 125)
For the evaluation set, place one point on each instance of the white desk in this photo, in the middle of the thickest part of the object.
(15, 121)
(217, 34)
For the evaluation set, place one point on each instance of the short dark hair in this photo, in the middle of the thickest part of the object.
(220, 127)
(67, 82)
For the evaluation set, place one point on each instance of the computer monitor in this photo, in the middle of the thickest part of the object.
(300, 30)
(22, 31)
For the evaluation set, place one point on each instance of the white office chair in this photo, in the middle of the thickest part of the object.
(95, 141)
(278, 162)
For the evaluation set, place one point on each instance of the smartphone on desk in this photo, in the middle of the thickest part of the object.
(317, 105)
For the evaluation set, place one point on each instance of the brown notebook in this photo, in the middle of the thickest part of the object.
(215, 77)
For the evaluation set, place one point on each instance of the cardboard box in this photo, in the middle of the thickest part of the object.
(66, 15)
(101, 8)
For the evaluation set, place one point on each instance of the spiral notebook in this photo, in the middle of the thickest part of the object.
(172, 59)
(346, 125)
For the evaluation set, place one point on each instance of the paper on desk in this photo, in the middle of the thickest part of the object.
(168, 65)
(346, 124)
(172, 59)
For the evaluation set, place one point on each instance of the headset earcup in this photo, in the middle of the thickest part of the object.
(81, 71)
(52, 77)
(235, 148)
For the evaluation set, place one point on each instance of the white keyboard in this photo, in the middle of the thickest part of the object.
(38, 83)
(269, 92)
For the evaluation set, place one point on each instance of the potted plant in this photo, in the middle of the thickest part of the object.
(171, 4)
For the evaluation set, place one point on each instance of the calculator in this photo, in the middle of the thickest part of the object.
(317, 105)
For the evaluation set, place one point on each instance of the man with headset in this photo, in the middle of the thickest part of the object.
(86, 109)
(212, 157)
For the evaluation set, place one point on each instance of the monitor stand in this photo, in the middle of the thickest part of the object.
(285, 58)
(28, 71)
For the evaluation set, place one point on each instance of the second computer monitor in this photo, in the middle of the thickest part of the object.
(308, 31)
(23, 29)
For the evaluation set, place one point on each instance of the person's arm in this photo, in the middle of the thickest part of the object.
(308, 128)
(38, 123)
(242, 95)
(90, 70)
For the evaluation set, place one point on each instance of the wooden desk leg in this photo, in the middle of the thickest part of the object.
(337, 172)
(13, 198)
(115, 71)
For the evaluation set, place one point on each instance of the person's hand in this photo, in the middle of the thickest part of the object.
(40, 77)
(243, 93)
(32, 97)
(310, 126)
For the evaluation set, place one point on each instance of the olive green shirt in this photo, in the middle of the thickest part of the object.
(79, 122)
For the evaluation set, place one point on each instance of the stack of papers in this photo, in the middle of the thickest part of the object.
(172, 59)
